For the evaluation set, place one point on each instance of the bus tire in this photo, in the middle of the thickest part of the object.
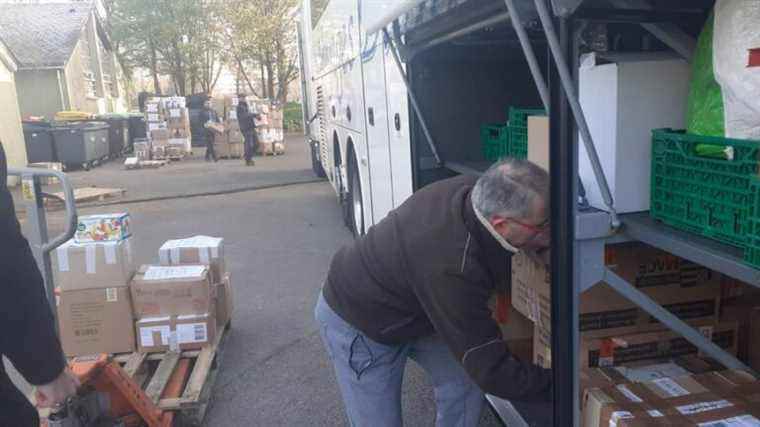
(355, 201)
(316, 163)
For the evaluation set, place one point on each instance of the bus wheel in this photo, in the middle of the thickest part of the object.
(316, 163)
(355, 200)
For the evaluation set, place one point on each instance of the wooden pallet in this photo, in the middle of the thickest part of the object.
(87, 194)
(190, 375)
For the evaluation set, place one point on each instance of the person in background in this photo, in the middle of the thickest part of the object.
(417, 286)
(247, 121)
(27, 330)
(208, 115)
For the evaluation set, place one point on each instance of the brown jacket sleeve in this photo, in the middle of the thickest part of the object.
(458, 308)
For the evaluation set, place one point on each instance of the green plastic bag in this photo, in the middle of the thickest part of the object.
(705, 114)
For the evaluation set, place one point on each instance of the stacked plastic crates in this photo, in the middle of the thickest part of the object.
(510, 139)
(518, 130)
(494, 141)
(708, 186)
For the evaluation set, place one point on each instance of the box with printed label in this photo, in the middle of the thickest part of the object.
(101, 228)
(224, 300)
(687, 290)
(162, 134)
(600, 349)
(195, 250)
(714, 399)
(94, 265)
(186, 332)
(171, 290)
(93, 321)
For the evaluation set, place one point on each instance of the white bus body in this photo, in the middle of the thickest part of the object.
(358, 102)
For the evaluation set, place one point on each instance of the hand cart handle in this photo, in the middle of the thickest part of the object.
(68, 202)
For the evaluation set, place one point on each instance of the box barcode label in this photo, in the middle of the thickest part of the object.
(628, 393)
(112, 295)
(192, 333)
(740, 421)
(670, 387)
(696, 408)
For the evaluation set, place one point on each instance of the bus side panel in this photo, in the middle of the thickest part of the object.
(398, 120)
(376, 117)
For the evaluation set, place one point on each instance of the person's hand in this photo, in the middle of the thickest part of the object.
(55, 392)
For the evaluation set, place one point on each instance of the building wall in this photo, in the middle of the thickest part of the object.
(39, 92)
(81, 99)
(11, 134)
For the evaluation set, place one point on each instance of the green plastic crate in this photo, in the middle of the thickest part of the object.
(494, 140)
(714, 197)
(752, 251)
(518, 130)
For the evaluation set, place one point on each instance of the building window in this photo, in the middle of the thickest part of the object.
(90, 84)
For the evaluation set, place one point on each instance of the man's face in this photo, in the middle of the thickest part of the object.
(529, 233)
(207, 104)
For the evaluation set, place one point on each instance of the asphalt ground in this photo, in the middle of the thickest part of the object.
(279, 242)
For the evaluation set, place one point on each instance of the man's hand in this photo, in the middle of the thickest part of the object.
(55, 392)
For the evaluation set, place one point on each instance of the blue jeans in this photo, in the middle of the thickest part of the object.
(370, 375)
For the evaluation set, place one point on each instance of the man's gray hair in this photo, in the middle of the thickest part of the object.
(509, 188)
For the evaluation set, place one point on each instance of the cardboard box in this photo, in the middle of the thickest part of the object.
(195, 250)
(623, 103)
(538, 141)
(234, 136)
(95, 321)
(94, 265)
(171, 290)
(160, 134)
(686, 289)
(598, 349)
(179, 132)
(714, 399)
(156, 126)
(159, 152)
(224, 300)
(269, 147)
(187, 332)
(104, 227)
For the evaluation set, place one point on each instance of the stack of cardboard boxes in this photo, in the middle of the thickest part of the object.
(103, 304)
(168, 127)
(230, 143)
(269, 128)
(93, 299)
(617, 336)
(614, 331)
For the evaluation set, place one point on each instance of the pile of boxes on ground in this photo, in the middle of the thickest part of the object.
(269, 128)
(105, 305)
(168, 127)
(633, 369)
(228, 140)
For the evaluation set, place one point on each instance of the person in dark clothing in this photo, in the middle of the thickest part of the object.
(417, 286)
(208, 115)
(247, 121)
(27, 332)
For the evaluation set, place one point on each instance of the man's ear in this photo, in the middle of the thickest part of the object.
(499, 223)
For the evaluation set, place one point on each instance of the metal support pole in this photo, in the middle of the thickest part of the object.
(530, 56)
(572, 98)
(39, 241)
(564, 308)
(674, 323)
(412, 98)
